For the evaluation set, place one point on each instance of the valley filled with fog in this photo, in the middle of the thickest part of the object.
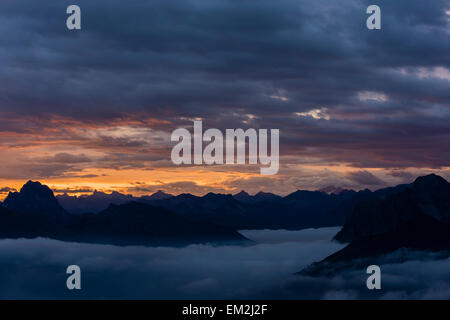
(36, 269)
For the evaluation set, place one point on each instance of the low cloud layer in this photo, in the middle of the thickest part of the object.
(35, 269)
(421, 275)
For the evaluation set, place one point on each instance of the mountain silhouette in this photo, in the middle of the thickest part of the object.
(93, 203)
(428, 195)
(137, 223)
(243, 197)
(34, 198)
(301, 209)
(333, 189)
(260, 196)
(99, 201)
(298, 210)
(158, 195)
(266, 196)
(414, 216)
(35, 212)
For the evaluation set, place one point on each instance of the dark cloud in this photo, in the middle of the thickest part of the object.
(7, 190)
(73, 190)
(405, 176)
(64, 157)
(365, 178)
(385, 92)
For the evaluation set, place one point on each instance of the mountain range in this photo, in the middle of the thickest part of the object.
(301, 209)
(415, 215)
(34, 212)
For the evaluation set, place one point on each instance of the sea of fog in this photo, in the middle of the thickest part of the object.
(36, 269)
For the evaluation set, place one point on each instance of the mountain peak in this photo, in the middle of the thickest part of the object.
(33, 185)
(431, 180)
(332, 190)
(261, 195)
(212, 195)
(160, 195)
(243, 196)
(35, 189)
(33, 197)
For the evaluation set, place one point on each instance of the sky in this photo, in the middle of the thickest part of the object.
(95, 108)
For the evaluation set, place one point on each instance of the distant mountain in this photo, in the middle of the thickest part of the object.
(35, 212)
(301, 209)
(34, 197)
(220, 209)
(332, 190)
(243, 197)
(158, 195)
(93, 203)
(99, 201)
(414, 216)
(260, 196)
(266, 196)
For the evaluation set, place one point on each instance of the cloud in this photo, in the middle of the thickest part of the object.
(73, 190)
(405, 274)
(36, 268)
(365, 178)
(283, 236)
(7, 190)
(64, 157)
(136, 71)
